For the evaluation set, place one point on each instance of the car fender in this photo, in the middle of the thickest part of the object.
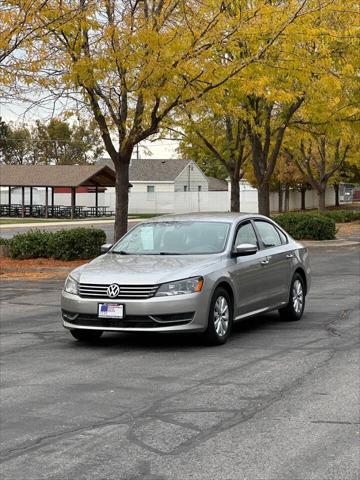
(221, 280)
(301, 261)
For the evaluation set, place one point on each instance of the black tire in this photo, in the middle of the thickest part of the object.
(86, 335)
(295, 308)
(213, 334)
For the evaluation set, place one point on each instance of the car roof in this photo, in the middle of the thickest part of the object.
(204, 216)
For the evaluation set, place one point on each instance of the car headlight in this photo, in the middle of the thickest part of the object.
(71, 285)
(181, 287)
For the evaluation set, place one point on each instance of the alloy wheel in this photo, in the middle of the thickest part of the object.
(297, 296)
(221, 316)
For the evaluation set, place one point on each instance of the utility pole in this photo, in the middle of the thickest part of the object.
(191, 168)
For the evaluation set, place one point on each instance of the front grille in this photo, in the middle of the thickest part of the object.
(131, 321)
(92, 290)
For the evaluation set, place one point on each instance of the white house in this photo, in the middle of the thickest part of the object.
(172, 175)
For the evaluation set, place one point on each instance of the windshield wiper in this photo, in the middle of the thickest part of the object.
(169, 253)
(122, 252)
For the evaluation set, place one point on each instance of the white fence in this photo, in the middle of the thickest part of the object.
(82, 199)
(182, 202)
(38, 196)
(178, 202)
(311, 199)
(172, 202)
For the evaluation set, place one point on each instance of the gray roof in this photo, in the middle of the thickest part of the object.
(216, 184)
(152, 169)
(56, 175)
(162, 170)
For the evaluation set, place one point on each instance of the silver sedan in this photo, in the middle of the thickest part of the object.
(188, 273)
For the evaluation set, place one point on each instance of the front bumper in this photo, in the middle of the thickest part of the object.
(183, 313)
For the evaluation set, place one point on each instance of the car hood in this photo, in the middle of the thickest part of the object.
(142, 269)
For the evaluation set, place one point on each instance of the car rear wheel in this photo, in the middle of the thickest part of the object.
(220, 318)
(295, 308)
(86, 335)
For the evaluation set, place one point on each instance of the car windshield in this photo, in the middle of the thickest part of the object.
(174, 238)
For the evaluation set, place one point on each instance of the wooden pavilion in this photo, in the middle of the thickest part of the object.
(50, 177)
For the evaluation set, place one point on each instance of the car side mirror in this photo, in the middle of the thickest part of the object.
(106, 247)
(244, 249)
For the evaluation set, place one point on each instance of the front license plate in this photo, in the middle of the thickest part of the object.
(110, 310)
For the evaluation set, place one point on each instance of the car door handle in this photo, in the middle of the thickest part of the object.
(264, 262)
(290, 255)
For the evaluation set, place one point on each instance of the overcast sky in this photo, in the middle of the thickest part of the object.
(21, 114)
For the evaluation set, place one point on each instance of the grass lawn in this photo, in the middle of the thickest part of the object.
(13, 220)
(7, 220)
(145, 215)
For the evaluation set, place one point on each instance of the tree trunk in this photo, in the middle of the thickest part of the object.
(303, 197)
(321, 194)
(287, 198)
(264, 199)
(337, 199)
(280, 193)
(235, 194)
(122, 197)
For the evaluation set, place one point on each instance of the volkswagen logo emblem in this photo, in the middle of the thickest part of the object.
(113, 290)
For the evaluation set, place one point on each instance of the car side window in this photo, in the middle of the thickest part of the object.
(268, 234)
(283, 237)
(246, 234)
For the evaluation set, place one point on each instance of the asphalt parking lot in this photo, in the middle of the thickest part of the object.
(280, 401)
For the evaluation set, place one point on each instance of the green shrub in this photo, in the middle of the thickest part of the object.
(343, 216)
(307, 226)
(32, 244)
(76, 243)
(4, 241)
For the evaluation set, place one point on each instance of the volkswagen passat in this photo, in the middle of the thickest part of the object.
(188, 273)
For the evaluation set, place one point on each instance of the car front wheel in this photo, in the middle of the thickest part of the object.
(220, 318)
(86, 335)
(295, 308)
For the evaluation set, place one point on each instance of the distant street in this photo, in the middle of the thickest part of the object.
(279, 401)
(9, 232)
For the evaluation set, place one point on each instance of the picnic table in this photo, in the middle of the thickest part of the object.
(53, 211)
(99, 211)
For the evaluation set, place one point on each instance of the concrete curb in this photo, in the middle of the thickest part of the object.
(329, 243)
(57, 224)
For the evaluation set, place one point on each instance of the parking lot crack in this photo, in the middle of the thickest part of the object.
(331, 328)
(123, 419)
(247, 413)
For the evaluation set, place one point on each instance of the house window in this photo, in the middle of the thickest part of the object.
(199, 188)
(185, 188)
(151, 188)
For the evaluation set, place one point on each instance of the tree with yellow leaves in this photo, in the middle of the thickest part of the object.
(22, 23)
(325, 134)
(272, 92)
(321, 155)
(132, 63)
(287, 177)
(214, 133)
